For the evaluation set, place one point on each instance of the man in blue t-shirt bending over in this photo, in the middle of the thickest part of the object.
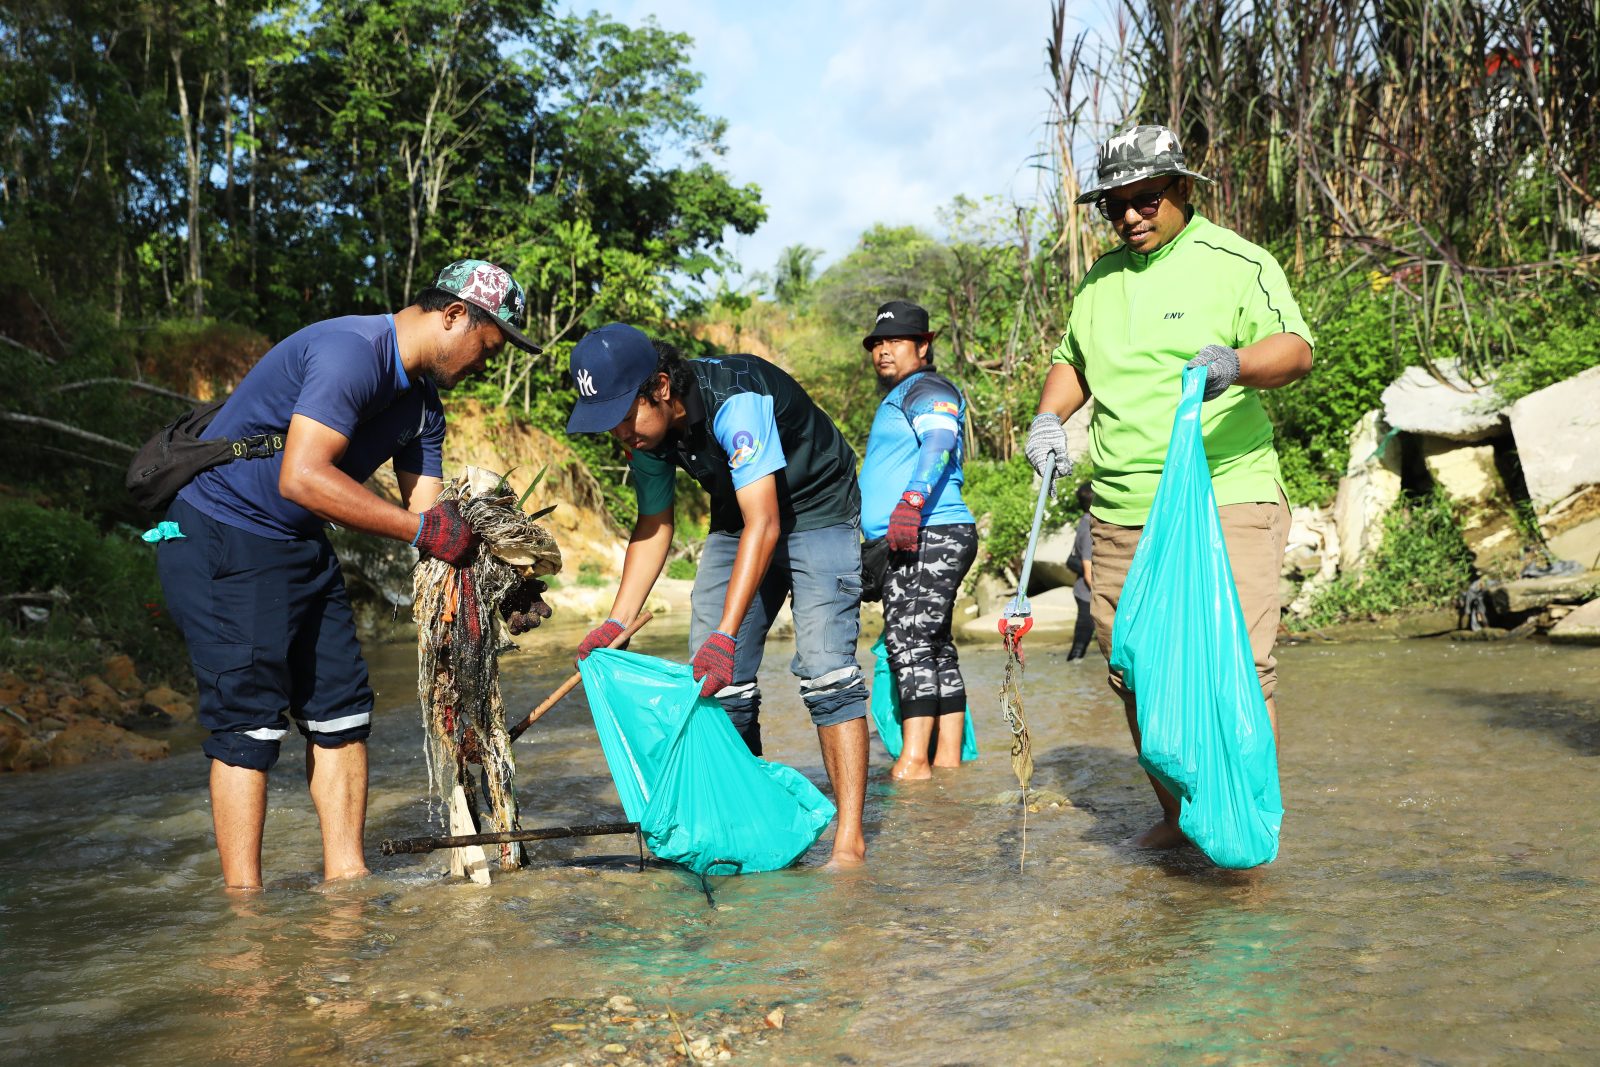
(255, 586)
(911, 496)
(784, 520)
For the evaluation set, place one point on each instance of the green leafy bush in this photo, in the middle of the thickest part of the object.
(1568, 348)
(682, 569)
(1359, 351)
(1423, 562)
(112, 594)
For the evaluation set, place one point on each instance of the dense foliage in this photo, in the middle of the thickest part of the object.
(1422, 562)
(251, 166)
(182, 183)
(89, 587)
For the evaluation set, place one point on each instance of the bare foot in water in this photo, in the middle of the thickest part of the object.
(334, 881)
(1162, 835)
(846, 861)
(905, 770)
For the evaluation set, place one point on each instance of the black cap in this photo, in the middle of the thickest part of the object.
(898, 318)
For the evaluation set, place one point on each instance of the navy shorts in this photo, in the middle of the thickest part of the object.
(271, 636)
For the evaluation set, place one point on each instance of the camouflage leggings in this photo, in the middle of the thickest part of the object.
(919, 595)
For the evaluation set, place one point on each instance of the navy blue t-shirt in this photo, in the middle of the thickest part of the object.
(344, 373)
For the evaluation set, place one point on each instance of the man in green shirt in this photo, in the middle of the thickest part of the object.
(1180, 291)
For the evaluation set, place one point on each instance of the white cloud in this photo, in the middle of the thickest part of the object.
(851, 112)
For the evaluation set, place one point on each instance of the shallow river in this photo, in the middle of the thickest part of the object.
(1435, 900)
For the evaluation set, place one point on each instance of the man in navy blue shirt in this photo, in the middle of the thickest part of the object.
(255, 586)
(784, 522)
(911, 496)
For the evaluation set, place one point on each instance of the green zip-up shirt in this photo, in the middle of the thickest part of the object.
(1136, 320)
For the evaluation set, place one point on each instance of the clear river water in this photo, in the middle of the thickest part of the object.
(1434, 902)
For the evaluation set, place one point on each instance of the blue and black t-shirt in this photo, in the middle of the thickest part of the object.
(748, 419)
(919, 404)
(344, 373)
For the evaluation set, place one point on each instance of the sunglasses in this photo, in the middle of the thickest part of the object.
(1146, 204)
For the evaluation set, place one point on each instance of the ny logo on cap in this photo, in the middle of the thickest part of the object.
(586, 383)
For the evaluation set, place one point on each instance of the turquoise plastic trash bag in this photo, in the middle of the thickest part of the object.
(700, 798)
(885, 708)
(1181, 644)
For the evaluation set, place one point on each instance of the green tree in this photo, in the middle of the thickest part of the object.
(796, 270)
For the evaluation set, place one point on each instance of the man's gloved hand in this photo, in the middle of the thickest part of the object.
(443, 534)
(1222, 369)
(714, 663)
(599, 637)
(905, 522)
(524, 608)
(1047, 435)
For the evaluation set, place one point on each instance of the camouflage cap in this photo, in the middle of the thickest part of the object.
(1133, 155)
(493, 289)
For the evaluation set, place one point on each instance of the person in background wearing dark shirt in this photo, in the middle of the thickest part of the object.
(253, 583)
(1082, 550)
(785, 521)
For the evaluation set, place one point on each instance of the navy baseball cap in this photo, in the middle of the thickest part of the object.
(608, 367)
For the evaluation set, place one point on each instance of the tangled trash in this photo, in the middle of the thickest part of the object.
(464, 618)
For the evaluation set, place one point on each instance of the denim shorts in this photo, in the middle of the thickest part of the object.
(271, 637)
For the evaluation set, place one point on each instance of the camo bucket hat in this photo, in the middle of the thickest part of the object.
(1135, 154)
(493, 289)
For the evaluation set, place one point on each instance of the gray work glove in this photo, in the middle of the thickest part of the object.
(1222, 369)
(1047, 436)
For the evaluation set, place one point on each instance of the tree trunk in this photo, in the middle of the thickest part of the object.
(250, 208)
(226, 99)
(191, 152)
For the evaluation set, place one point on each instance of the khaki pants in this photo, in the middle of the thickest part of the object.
(1256, 535)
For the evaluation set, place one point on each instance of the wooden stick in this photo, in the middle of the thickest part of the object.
(572, 683)
(408, 845)
(468, 859)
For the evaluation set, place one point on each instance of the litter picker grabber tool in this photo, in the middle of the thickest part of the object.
(572, 683)
(1015, 621)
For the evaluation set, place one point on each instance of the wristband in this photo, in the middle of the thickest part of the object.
(418, 534)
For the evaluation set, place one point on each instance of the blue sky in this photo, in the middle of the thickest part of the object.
(850, 112)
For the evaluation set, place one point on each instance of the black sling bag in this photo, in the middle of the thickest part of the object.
(177, 453)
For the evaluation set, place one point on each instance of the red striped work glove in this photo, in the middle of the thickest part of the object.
(599, 637)
(443, 534)
(714, 663)
(905, 521)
